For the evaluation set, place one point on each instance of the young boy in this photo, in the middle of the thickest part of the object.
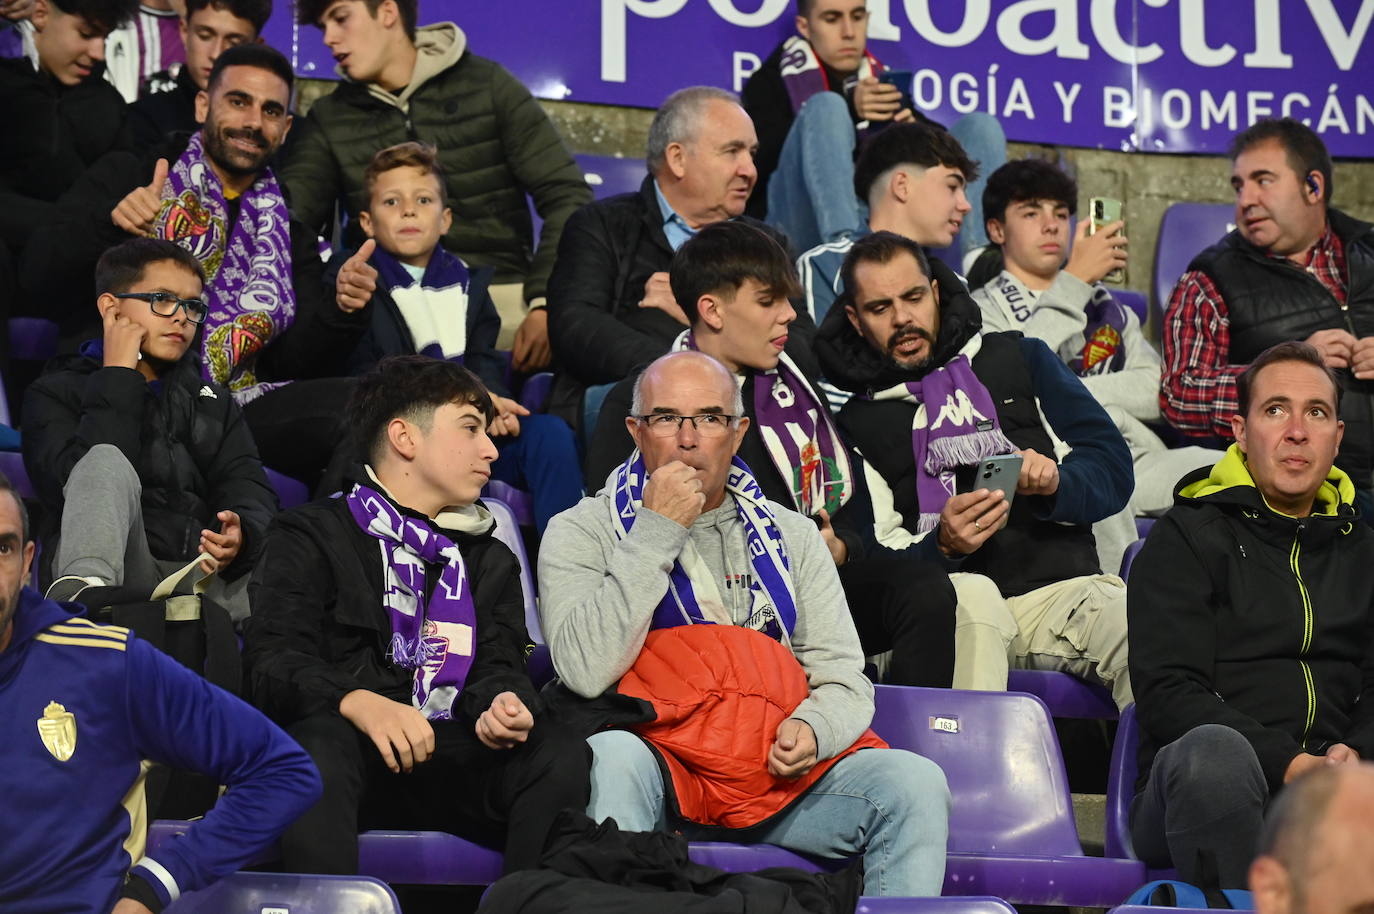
(425, 300)
(145, 464)
(1028, 204)
(388, 635)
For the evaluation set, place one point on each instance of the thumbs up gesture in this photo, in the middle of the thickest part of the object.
(137, 212)
(357, 280)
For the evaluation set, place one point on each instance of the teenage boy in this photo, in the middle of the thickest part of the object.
(209, 28)
(388, 636)
(423, 300)
(55, 92)
(734, 282)
(498, 145)
(1028, 204)
(145, 464)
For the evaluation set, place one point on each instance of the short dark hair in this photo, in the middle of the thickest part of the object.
(406, 155)
(7, 486)
(909, 144)
(311, 12)
(121, 267)
(102, 15)
(1290, 351)
(253, 54)
(1305, 150)
(409, 387)
(254, 12)
(878, 247)
(804, 7)
(721, 256)
(1027, 179)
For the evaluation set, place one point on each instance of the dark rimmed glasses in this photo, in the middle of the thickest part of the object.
(165, 304)
(707, 425)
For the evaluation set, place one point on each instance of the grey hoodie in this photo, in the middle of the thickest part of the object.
(598, 596)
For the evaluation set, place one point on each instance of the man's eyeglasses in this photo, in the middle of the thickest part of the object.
(707, 425)
(165, 304)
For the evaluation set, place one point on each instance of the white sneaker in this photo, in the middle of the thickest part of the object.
(66, 588)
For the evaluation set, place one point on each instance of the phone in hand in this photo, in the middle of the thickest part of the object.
(902, 80)
(1103, 211)
(1000, 473)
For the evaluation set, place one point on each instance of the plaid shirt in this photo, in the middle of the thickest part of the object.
(1198, 394)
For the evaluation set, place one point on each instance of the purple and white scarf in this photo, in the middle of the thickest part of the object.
(804, 76)
(437, 640)
(435, 307)
(800, 435)
(247, 265)
(692, 597)
(964, 431)
(1103, 350)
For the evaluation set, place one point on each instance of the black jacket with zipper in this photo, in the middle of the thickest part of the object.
(184, 437)
(1271, 300)
(1244, 617)
(319, 631)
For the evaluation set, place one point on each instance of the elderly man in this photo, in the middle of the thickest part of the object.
(680, 538)
(734, 281)
(1294, 269)
(937, 398)
(1250, 619)
(1316, 846)
(610, 305)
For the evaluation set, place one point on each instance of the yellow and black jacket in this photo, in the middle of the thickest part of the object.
(1242, 616)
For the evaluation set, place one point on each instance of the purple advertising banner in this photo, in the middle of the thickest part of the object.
(1151, 75)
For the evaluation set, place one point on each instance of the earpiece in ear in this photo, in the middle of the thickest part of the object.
(1314, 186)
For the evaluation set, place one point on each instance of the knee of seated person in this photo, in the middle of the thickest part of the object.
(914, 782)
(979, 600)
(825, 109)
(106, 463)
(619, 752)
(1210, 758)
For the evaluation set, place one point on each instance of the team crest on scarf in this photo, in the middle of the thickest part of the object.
(1100, 348)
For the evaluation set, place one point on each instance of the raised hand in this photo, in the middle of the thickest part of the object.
(508, 413)
(875, 100)
(137, 212)
(357, 280)
(658, 293)
(674, 490)
(1094, 256)
(123, 339)
(1039, 474)
(221, 548)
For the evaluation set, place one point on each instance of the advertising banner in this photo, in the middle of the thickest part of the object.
(1150, 75)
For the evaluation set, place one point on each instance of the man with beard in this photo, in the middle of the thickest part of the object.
(935, 398)
(213, 193)
(103, 701)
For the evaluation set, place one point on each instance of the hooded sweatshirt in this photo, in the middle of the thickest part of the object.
(1242, 616)
(83, 709)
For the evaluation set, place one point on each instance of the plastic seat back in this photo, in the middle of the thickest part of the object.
(272, 893)
(999, 752)
(609, 175)
(1185, 231)
(508, 532)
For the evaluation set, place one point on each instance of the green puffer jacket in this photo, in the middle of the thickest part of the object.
(495, 143)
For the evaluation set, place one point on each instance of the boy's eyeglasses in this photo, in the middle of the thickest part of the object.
(165, 304)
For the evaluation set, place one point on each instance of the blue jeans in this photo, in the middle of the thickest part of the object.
(542, 460)
(890, 805)
(811, 194)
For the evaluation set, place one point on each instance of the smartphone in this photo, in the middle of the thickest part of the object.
(1001, 473)
(1104, 211)
(902, 80)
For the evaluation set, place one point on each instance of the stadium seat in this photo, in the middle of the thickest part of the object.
(1120, 793)
(269, 893)
(12, 465)
(1128, 558)
(969, 904)
(508, 532)
(290, 492)
(519, 502)
(609, 175)
(1064, 695)
(540, 666)
(1185, 230)
(1011, 829)
(534, 395)
(32, 339)
(1143, 525)
(1161, 909)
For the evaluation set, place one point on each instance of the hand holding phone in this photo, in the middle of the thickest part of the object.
(1000, 473)
(1104, 220)
(901, 79)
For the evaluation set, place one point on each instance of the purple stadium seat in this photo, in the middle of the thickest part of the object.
(519, 502)
(968, 904)
(1143, 525)
(535, 394)
(1128, 557)
(1161, 909)
(508, 532)
(1186, 229)
(1063, 694)
(260, 893)
(1012, 831)
(290, 492)
(32, 339)
(12, 465)
(1120, 793)
(609, 175)
(1136, 301)
(540, 666)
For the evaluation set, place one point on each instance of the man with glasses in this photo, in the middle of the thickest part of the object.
(142, 463)
(682, 585)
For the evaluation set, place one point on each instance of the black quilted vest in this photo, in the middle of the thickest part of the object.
(1269, 301)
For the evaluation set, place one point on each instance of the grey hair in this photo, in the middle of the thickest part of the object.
(678, 120)
(637, 396)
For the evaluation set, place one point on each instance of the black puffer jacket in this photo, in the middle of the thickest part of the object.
(52, 134)
(1242, 616)
(319, 630)
(188, 443)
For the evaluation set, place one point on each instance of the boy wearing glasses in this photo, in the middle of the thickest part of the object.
(157, 463)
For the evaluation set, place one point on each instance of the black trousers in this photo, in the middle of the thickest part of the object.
(300, 431)
(906, 606)
(501, 798)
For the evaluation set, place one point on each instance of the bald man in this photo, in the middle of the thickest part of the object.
(675, 558)
(1317, 846)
